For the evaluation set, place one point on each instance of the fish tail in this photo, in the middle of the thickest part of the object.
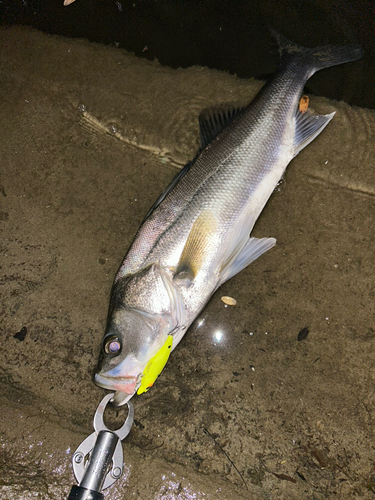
(317, 58)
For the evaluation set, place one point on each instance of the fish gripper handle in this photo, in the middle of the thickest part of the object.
(79, 493)
(99, 462)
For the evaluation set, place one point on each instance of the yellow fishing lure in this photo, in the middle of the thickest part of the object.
(155, 366)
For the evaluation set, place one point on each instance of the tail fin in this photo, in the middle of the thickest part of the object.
(318, 57)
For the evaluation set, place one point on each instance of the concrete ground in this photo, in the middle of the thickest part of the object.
(90, 136)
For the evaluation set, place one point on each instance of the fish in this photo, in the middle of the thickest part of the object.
(197, 235)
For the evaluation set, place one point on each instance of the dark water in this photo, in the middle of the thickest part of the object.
(227, 35)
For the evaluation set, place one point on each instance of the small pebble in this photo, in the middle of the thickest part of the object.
(303, 334)
(21, 334)
(229, 301)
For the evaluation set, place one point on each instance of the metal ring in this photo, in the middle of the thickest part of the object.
(99, 422)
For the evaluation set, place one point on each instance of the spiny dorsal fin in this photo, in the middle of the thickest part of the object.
(214, 120)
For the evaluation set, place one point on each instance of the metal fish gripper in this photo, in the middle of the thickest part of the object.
(98, 460)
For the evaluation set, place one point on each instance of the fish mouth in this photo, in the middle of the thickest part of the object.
(127, 385)
(120, 398)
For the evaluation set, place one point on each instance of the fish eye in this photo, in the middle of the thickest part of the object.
(112, 345)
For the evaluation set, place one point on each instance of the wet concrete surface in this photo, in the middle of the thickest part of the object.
(90, 136)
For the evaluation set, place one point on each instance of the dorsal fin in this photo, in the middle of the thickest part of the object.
(214, 120)
(211, 122)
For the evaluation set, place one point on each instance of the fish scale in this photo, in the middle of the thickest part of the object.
(197, 234)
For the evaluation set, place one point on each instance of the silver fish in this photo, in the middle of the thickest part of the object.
(197, 234)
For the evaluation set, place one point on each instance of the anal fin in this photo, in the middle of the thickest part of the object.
(308, 126)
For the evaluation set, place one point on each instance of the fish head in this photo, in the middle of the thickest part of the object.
(140, 318)
(133, 337)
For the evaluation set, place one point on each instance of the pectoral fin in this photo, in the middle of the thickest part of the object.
(200, 240)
